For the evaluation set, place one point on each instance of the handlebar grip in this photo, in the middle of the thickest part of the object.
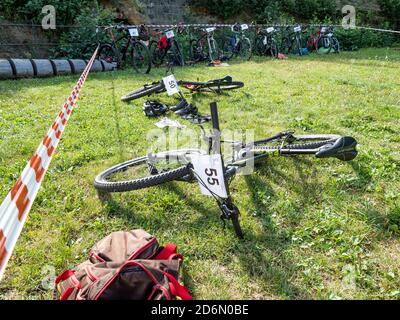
(214, 115)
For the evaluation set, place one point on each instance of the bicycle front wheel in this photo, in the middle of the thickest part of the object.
(177, 53)
(140, 173)
(141, 60)
(157, 54)
(229, 47)
(196, 51)
(211, 86)
(245, 49)
(109, 54)
(147, 90)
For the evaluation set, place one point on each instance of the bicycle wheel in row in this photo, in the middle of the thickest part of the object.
(177, 55)
(245, 50)
(197, 52)
(140, 173)
(229, 48)
(141, 59)
(147, 90)
(157, 54)
(109, 53)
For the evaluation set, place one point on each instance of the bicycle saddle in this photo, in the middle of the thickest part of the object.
(343, 149)
(224, 79)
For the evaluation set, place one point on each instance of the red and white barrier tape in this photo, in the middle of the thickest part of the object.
(16, 206)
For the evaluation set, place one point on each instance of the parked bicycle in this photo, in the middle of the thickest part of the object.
(265, 43)
(238, 44)
(157, 168)
(327, 42)
(292, 40)
(138, 55)
(216, 86)
(167, 48)
(204, 48)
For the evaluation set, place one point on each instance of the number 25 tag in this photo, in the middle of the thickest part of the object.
(209, 170)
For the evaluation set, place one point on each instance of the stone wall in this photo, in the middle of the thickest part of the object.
(163, 11)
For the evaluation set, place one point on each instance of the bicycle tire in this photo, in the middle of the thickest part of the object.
(144, 91)
(101, 183)
(211, 87)
(177, 52)
(273, 49)
(196, 55)
(259, 47)
(213, 50)
(236, 226)
(136, 47)
(229, 48)
(114, 58)
(157, 54)
(318, 45)
(316, 141)
(335, 45)
(245, 46)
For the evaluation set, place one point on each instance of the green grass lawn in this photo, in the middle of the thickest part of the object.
(315, 229)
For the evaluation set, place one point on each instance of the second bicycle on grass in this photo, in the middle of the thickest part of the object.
(217, 86)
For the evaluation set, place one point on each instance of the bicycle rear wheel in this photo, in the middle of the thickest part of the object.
(196, 51)
(213, 50)
(245, 50)
(147, 90)
(157, 54)
(229, 47)
(139, 173)
(298, 142)
(211, 86)
(177, 53)
(141, 60)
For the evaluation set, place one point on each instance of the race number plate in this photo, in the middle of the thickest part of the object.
(244, 26)
(171, 84)
(297, 29)
(270, 29)
(210, 174)
(170, 34)
(133, 32)
(330, 35)
(210, 30)
(323, 29)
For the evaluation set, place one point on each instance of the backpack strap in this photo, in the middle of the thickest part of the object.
(70, 278)
(177, 289)
(168, 253)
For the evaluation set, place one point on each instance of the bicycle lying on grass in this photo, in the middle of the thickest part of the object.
(217, 86)
(157, 168)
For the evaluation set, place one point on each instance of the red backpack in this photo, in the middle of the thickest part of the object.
(125, 266)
